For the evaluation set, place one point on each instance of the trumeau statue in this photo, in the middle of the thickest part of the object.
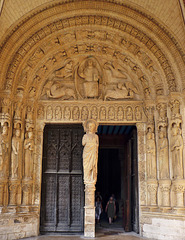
(90, 142)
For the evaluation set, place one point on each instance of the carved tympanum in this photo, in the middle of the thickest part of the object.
(90, 78)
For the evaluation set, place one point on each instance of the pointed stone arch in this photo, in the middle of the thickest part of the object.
(121, 40)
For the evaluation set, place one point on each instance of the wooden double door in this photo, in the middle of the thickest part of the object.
(62, 196)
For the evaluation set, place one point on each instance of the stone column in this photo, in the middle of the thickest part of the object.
(151, 163)
(5, 133)
(141, 163)
(152, 192)
(89, 226)
(37, 171)
(90, 160)
(165, 187)
(178, 187)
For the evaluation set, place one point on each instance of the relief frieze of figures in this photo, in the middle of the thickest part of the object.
(82, 112)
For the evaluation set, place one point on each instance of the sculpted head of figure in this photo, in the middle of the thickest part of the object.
(149, 133)
(17, 132)
(174, 129)
(161, 132)
(89, 62)
(90, 126)
(30, 133)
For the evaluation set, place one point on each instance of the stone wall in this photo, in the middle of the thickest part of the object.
(164, 228)
(16, 226)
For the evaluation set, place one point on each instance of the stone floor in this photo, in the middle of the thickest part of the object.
(106, 236)
(103, 231)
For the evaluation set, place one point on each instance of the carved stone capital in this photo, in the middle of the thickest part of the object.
(165, 185)
(152, 187)
(178, 185)
(140, 127)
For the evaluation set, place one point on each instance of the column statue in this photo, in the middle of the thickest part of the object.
(16, 142)
(29, 147)
(177, 151)
(151, 154)
(163, 154)
(90, 142)
(3, 148)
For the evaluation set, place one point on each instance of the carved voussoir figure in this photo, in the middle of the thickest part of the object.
(90, 142)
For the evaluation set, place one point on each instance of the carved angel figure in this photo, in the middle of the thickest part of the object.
(90, 142)
(66, 71)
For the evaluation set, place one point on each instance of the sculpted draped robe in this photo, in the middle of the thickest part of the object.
(90, 156)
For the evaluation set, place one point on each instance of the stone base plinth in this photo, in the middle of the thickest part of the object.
(89, 223)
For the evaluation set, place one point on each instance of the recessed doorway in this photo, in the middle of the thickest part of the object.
(118, 174)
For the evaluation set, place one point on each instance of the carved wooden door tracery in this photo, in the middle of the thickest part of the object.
(62, 197)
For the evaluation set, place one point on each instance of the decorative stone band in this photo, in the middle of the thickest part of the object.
(98, 110)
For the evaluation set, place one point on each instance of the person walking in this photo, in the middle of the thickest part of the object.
(98, 209)
(110, 209)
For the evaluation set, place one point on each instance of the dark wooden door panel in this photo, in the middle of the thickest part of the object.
(76, 201)
(48, 203)
(62, 180)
